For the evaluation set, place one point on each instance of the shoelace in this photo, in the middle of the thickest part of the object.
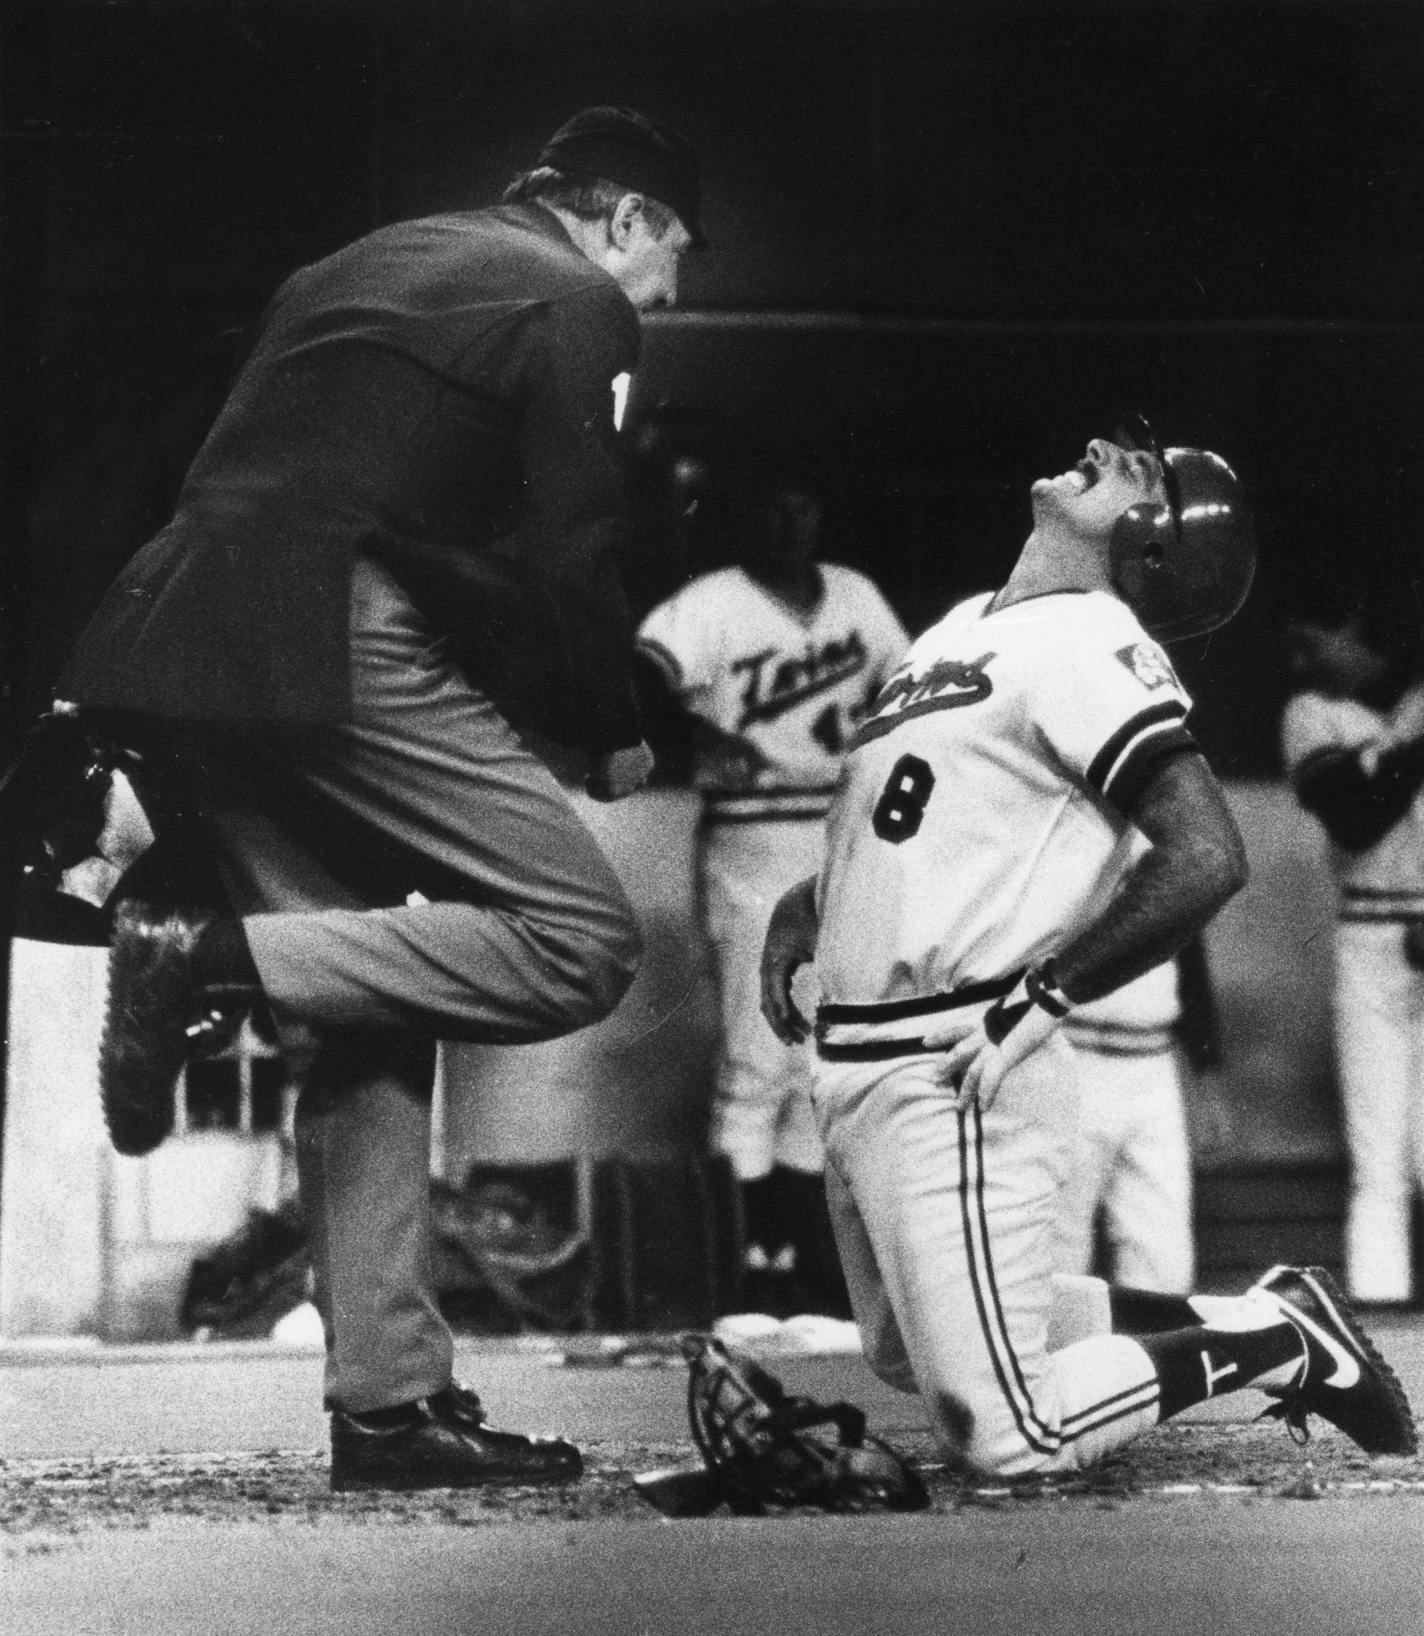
(1289, 1407)
(1291, 1410)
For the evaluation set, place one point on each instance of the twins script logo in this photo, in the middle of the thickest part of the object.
(772, 683)
(948, 684)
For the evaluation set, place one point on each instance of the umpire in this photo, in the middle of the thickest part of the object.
(397, 546)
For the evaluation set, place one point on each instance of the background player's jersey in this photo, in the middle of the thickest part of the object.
(1137, 1017)
(982, 816)
(1386, 879)
(792, 683)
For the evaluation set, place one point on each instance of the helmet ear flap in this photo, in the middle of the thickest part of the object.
(1139, 553)
(1185, 567)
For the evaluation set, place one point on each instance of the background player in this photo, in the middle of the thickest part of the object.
(980, 880)
(1353, 745)
(776, 659)
(1129, 1188)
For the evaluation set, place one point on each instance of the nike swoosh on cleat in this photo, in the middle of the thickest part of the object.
(1347, 1365)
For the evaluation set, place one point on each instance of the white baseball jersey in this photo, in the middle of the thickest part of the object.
(1387, 880)
(793, 683)
(982, 818)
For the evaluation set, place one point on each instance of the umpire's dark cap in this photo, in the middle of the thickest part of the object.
(638, 153)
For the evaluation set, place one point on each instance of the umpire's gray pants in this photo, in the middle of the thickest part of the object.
(411, 875)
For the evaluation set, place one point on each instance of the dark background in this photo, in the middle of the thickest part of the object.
(950, 242)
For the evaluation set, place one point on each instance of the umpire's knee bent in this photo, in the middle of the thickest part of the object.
(590, 965)
(605, 966)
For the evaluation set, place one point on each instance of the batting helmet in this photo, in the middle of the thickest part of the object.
(1184, 567)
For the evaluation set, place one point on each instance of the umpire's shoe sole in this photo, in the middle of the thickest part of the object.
(441, 1442)
(1344, 1379)
(151, 1003)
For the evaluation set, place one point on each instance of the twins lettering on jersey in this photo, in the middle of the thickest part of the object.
(1117, 771)
(948, 684)
(774, 684)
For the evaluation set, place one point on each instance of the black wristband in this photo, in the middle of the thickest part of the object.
(1043, 989)
(1039, 987)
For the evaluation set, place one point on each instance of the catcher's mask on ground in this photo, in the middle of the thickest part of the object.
(1183, 567)
(758, 1449)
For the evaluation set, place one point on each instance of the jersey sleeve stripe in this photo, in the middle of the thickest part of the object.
(1160, 727)
(664, 658)
(1100, 769)
(1132, 775)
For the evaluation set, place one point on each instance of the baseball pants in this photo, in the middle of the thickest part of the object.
(410, 875)
(1134, 1166)
(947, 1227)
(1379, 1043)
(761, 1106)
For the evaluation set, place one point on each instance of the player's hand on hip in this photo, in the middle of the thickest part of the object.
(1011, 1030)
(790, 944)
(964, 1043)
(973, 1071)
(617, 773)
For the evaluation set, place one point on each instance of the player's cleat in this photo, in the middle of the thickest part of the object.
(1343, 1378)
(156, 1019)
(441, 1442)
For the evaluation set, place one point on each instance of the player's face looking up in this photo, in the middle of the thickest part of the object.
(1089, 498)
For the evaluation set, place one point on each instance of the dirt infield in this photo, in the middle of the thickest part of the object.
(48, 1500)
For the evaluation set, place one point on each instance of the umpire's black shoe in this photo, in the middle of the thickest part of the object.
(156, 1018)
(441, 1442)
(1343, 1379)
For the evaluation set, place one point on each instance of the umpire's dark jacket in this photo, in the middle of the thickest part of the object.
(437, 395)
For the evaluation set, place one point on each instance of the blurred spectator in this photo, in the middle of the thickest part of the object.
(1353, 746)
(1132, 1180)
(775, 659)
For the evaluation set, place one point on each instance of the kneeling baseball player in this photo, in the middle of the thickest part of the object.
(1025, 824)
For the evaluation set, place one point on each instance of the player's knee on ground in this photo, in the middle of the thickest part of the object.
(1062, 1412)
(979, 1437)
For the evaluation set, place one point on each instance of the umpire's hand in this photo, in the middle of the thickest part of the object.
(617, 773)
